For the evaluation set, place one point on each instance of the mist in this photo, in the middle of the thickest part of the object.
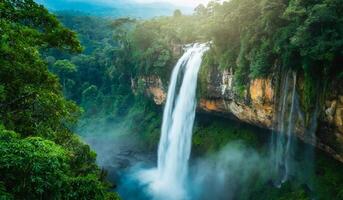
(226, 174)
(116, 147)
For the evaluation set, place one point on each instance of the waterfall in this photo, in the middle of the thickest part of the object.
(288, 158)
(281, 146)
(168, 180)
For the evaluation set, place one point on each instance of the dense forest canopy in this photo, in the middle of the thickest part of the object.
(255, 38)
(305, 36)
(40, 157)
(116, 8)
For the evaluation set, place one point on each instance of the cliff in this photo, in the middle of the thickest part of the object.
(258, 106)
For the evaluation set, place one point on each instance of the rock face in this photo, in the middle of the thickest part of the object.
(153, 88)
(331, 126)
(257, 105)
(334, 114)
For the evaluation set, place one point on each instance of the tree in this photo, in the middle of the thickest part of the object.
(33, 99)
(40, 156)
(201, 10)
(177, 13)
(64, 68)
(34, 168)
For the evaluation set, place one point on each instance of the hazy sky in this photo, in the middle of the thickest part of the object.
(178, 2)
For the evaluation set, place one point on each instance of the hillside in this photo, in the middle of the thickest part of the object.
(117, 8)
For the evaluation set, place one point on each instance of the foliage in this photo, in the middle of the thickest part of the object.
(34, 168)
(301, 35)
(213, 133)
(99, 79)
(42, 158)
(31, 96)
(254, 39)
(108, 83)
(64, 67)
(37, 24)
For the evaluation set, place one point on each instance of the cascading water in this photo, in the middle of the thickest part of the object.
(167, 181)
(287, 156)
(281, 145)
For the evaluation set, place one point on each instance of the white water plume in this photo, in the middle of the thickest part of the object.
(168, 180)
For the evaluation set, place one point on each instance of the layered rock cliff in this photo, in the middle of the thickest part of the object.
(258, 105)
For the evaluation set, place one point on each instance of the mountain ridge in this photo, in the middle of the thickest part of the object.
(115, 9)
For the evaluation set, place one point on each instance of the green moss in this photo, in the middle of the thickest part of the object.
(309, 92)
(212, 136)
(288, 191)
(328, 179)
(144, 121)
(203, 75)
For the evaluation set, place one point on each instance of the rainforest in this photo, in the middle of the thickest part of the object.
(171, 100)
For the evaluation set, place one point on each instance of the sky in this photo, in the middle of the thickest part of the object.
(191, 3)
(178, 2)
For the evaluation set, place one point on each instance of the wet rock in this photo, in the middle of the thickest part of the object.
(257, 106)
(331, 111)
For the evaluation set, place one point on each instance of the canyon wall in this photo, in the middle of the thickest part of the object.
(257, 105)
